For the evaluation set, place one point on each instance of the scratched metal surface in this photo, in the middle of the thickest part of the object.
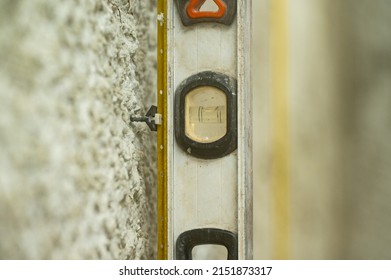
(203, 192)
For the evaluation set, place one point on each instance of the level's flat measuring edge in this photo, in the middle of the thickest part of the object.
(245, 126)
(175, 167)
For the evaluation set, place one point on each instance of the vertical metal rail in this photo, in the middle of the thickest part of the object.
(245, 164)
(280, 141)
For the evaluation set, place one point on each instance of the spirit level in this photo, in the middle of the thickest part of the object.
(204, 133)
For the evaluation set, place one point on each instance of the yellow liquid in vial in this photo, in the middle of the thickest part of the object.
(206, 114)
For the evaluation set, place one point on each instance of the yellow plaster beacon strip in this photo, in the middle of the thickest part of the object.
(280, 141)
(162, 253)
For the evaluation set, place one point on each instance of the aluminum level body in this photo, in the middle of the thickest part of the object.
(204, 196)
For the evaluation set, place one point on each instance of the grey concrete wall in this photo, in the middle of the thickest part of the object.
(76, 181)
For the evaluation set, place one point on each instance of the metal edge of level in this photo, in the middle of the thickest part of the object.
(245, 164)
(170, 10)
(162, 211)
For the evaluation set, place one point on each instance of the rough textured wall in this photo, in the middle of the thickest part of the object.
(76, 181)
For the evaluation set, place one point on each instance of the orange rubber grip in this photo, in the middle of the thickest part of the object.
(193, 10)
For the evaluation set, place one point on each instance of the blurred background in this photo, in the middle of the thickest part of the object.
(77, 182)
(322, 112)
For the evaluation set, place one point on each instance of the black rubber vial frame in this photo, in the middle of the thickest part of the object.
(202, 236)
(225, 145)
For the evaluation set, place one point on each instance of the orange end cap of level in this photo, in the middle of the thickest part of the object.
(193, 9)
